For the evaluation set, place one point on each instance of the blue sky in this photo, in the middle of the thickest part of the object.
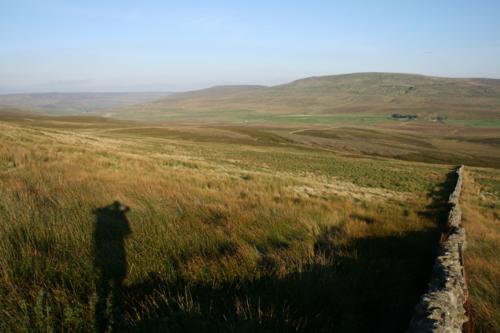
(164, 45)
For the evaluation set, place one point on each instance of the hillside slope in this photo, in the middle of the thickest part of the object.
(376, 93)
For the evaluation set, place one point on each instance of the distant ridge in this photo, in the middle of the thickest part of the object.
(358, 93)
(346, 93)
(75, 103)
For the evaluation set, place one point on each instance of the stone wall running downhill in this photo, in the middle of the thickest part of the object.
(442, 308)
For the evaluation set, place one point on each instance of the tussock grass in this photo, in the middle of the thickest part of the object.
(219, 240)
(481, 215)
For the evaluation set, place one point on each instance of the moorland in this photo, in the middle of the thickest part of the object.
(302, 207)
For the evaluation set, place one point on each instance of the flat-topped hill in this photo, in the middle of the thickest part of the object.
(351, 93)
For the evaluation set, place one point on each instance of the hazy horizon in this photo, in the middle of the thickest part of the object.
(91, 46)
(142, 89)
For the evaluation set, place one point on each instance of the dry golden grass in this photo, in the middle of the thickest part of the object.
(482, 262)
(221, 238)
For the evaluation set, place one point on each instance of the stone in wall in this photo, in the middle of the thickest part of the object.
(441, 309)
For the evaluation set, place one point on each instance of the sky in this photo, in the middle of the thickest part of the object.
(98, 46)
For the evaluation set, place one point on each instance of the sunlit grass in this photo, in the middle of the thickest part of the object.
(224, 236)
(481, 215)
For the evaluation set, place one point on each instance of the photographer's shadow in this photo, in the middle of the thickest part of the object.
(110, 262)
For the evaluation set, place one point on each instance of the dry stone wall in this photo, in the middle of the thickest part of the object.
(442, 308)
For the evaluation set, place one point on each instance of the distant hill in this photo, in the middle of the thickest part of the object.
(374, 93)
(75, 103)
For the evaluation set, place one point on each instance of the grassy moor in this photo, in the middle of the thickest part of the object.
(250, 166)
(131, 226)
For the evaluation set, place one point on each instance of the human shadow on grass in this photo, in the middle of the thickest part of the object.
(369, 285)
(110, 262)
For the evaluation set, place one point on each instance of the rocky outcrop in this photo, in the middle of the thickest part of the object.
(442, 309)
